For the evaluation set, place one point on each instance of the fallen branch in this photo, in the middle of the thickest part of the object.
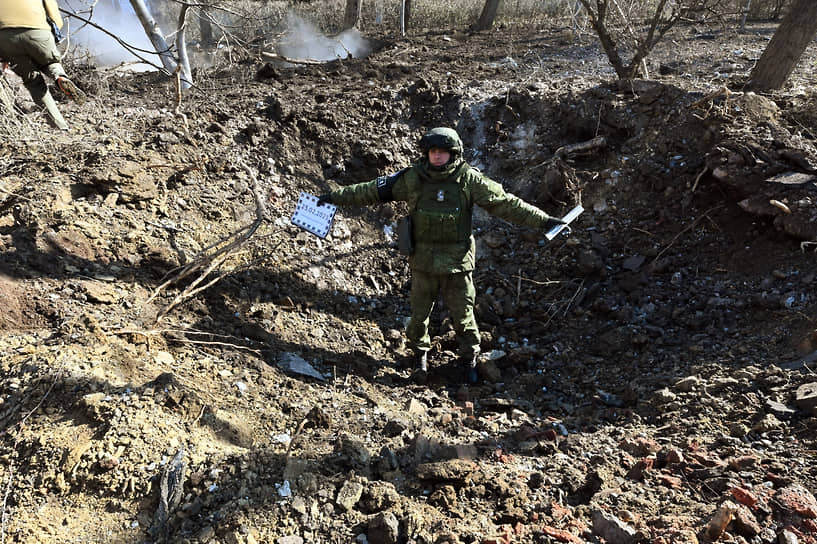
(572, 149)
(213, 256)
(581, 147)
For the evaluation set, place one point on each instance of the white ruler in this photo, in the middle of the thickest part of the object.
(571, 215)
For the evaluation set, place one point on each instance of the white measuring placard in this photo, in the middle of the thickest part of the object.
(313, 218)
(571, 215)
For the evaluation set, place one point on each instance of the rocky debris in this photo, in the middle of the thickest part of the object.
(634, 375)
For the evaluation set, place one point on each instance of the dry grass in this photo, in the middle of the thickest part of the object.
(11, 119)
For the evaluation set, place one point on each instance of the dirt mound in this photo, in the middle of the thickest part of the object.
(646, 378)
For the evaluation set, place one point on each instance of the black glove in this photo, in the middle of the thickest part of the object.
(553, 222)
(325, 199)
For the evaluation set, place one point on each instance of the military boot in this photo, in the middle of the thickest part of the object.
(471, 373)
(420, 375)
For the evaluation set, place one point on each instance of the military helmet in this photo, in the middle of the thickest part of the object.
(443, 138)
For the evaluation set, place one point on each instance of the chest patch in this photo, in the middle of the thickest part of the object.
(440, 195)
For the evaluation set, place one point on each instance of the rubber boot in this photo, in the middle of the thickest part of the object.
(39, 92)
(420, 367)
(471, 373)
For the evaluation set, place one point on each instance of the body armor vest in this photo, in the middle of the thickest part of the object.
(442, 212)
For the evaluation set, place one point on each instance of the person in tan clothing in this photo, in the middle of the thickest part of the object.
(27, 44)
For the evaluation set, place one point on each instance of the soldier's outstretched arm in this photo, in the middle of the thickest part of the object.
(382, 189)
(491, 196)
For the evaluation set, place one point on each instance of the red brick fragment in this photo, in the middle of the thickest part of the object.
(744, 496)
(561, 535)
(799, 500)
(671, 481)
(674, 457)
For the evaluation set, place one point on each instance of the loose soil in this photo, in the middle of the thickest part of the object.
(647, 377)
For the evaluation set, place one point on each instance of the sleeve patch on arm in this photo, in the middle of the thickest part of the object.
(385, 184)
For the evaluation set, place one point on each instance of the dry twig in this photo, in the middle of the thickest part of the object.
(214, 256)
(685, 229)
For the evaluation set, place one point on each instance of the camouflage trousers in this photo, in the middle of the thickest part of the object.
(32, 52)
(458, 294)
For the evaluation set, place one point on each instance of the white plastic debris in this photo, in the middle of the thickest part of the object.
(282, 438)
(284, 489)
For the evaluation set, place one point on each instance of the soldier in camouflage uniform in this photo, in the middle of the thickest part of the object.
(441, 190)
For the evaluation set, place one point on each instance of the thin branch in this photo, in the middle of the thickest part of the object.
(685, 229)
(206, 262)
(131, 48)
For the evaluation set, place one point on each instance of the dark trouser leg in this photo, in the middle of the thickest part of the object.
(424, 289)
(459, 294)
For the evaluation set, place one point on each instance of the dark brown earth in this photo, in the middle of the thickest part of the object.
(649, 377)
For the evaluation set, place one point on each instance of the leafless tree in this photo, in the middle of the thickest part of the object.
(351, 17)
(788, 44)
(486, 18)
(621, 29)
(171, 63)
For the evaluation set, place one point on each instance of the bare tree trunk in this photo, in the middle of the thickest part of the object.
(788, 44)
(352, 16)
(206, 28)
(155, 34)
(745, 14)
(486, 18)
(181, 47)
(405, 16)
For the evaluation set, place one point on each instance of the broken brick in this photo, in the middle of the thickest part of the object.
(743, 496)
(561, 535)
(670, 481)
(799, 500)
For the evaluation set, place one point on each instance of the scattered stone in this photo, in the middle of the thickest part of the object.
(664, 396)
(394, 427)
(799, 500)
(354, 451)
(454, 469)
(612, 529)
(744, 522)
(290, 362)
(767, 424)
(416, 408)
(289, 539)
(742, 462)
(640, 447)
(787, 537)
(349, 494)
(720, 520)
(806, 397)
(779, 408)
(688, 384)
(383, 529)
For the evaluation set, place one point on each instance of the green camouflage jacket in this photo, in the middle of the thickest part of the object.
(441, 207)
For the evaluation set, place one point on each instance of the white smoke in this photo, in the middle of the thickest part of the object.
(303, 40)
(102, 50)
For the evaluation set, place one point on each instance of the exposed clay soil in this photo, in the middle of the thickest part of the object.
(644, 377)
